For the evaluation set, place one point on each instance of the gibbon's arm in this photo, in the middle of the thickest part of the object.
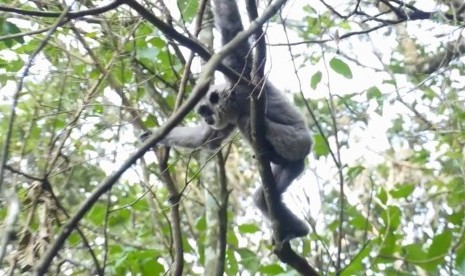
(201, 136)
(228, 23)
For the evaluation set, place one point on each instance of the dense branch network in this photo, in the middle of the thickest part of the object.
(402, 10)
(198, 92)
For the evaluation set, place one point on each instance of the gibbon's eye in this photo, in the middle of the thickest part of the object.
(214, 98)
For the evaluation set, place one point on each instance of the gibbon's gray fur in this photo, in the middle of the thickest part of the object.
(226, 107)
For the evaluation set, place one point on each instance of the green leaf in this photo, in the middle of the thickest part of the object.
(359, 222)
(122, 73)
(151, 121)
(249, 259)
(320, 148)
(232, 267)
(98, 108)
(316, 78)
(397, 125)
(356, 265)
(429, 93)
(147, 263)
(421, 156)
(396, 67)
(28, 48)
(345, 25)
(188, 8)
(232, 238)
(456, 198)
(374, 93)
(8, 28)
(391, 217)
(456, 217)
(158, 43)
(440, 245)
(201, 224)
(382, 195)
(402, 190)
(149, 53)
(460, 259)
(14, 65)
(97, 214)
(313, 26)
(152, 267)
(438, 249)
(389, 245)
(357, 219)
(188, 244)
(355, 171)
(306, 246)
(74, 238)
(248, 228)
(272, 269)
(121, 217)
(340, 67)
(414, 253)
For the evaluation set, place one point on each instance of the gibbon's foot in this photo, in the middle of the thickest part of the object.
(145, 135)
(292, 230)
(291, 227)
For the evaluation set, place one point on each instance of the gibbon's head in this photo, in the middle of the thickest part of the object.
(218, 107)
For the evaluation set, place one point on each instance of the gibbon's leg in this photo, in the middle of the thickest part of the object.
(291, 225)
(285, 174)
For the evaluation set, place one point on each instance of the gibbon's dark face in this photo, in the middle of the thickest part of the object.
(217, 108)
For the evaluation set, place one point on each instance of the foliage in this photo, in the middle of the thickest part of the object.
(387, 174)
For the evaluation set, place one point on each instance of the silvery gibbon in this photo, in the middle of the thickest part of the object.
(226, 107)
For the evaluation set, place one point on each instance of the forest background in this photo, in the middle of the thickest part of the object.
(381, 84)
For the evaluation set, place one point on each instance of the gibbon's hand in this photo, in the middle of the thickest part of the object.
(144, 136)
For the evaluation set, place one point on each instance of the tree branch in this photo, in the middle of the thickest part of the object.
(69, 15)
(222, 214)
(178, 264)
(258, 128)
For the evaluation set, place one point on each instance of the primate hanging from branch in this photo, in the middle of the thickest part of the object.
(226, 107)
